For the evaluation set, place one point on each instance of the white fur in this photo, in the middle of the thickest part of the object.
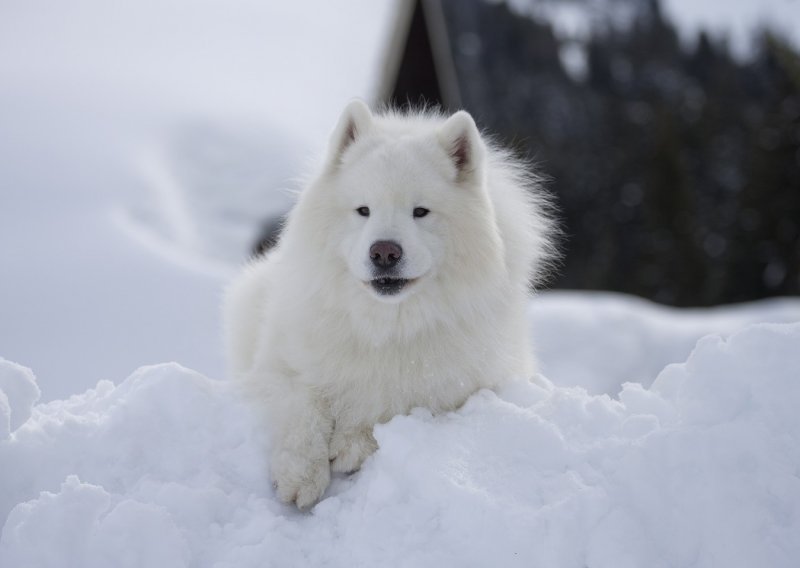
(322, 354)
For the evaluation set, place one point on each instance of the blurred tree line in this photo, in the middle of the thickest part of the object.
(676, 169)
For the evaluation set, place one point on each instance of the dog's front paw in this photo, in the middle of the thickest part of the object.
(350, 448)
(300, 478)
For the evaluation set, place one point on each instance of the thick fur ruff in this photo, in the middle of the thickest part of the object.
(401, 279)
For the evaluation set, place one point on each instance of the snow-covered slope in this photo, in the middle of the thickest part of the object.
(166, 470)
(140, 145)
(601, 340)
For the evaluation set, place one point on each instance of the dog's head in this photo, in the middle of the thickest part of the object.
(406, 190)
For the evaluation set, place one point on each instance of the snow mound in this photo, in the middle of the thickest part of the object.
(166, 469)
(600, 340)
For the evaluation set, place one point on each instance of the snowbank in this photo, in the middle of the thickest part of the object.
(600, 340)
(166, 470)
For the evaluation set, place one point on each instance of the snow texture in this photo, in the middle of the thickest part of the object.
(166, 469)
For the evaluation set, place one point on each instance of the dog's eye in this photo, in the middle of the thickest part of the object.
(363, 211)
(421, 211)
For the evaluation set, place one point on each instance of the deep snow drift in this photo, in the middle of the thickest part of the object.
(166, 470)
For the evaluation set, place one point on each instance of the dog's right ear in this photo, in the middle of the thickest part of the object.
(460, 138)
(355, 121)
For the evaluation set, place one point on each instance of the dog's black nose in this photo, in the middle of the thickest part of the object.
(385, 254)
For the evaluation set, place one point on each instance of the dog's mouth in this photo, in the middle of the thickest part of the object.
(388, 286)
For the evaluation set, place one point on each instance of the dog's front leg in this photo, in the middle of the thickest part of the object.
(301, 431)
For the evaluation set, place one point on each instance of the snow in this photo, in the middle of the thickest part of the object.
(643, 337)
(141, 145)
(166, 469)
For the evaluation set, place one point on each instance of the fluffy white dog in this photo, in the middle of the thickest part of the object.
(401, 279)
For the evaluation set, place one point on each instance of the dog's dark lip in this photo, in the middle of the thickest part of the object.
(388, 285)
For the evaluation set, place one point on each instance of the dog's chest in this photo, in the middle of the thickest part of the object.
(365, 384)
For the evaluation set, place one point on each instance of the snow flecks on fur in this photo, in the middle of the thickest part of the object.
(166, 469)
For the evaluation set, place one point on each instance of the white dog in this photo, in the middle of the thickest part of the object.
(401, 280)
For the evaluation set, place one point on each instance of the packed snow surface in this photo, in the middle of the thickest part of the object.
(167, 469)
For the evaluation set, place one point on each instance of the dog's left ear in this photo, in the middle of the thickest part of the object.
(460, 138)
(355, 121)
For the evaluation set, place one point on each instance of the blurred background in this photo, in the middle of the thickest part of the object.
(146, 147)
(670, 132)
